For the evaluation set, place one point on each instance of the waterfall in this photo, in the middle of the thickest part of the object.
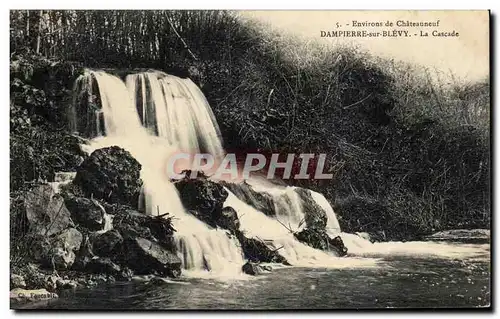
(255, 224)
(153, 115)
(176, 109)
(332, 223)
(107, 219)
(60, 179)
(200, 247)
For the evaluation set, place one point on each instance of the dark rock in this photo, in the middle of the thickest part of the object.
(111, 174)
(45, 211)
(257, 250)
(86, 212)
(202, 198)
(106, 244)
(134, 230)
(132, 224)
(145, 256)
(103, 265)
(262, 202)
(320, 240)
(337, 244)
(313, 237)
(205, 199)
(229, 219)
(252, 268)
(315, 216)
(267, 268)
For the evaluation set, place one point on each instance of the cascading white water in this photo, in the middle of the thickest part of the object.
(361, 251)
(332, 223)
(177, 110)
(154, 115)
(257, 225)
(289, 208)
(60, 179)
(200, 247)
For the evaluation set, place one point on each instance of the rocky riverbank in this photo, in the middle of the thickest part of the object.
(90, 230)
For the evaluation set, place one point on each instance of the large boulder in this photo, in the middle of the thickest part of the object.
(110, 174)
(70, 238)
(228, 219)
(315, 215)
(58, 251)
(202, 198)
(134, 230)
(319, 239)
(145, 256)
(252, 268)
(205, 200)
(86, 212)
(64, 248)
(106, 244)
(262, 202)
(46, 212)
(132, 224)
(257, 250)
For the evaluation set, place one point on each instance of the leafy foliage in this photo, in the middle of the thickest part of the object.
(39, 143)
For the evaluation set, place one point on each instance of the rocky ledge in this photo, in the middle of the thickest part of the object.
(88, 233)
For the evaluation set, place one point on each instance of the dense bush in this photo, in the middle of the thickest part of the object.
(39, 141)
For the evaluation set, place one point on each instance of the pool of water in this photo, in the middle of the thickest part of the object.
(395, 281)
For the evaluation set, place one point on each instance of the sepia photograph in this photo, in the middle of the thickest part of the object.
(249, 160)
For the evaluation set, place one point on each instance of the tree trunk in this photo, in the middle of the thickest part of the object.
(38, 38)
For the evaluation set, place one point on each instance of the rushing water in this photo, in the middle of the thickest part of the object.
(401, 281)
(153, 115)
